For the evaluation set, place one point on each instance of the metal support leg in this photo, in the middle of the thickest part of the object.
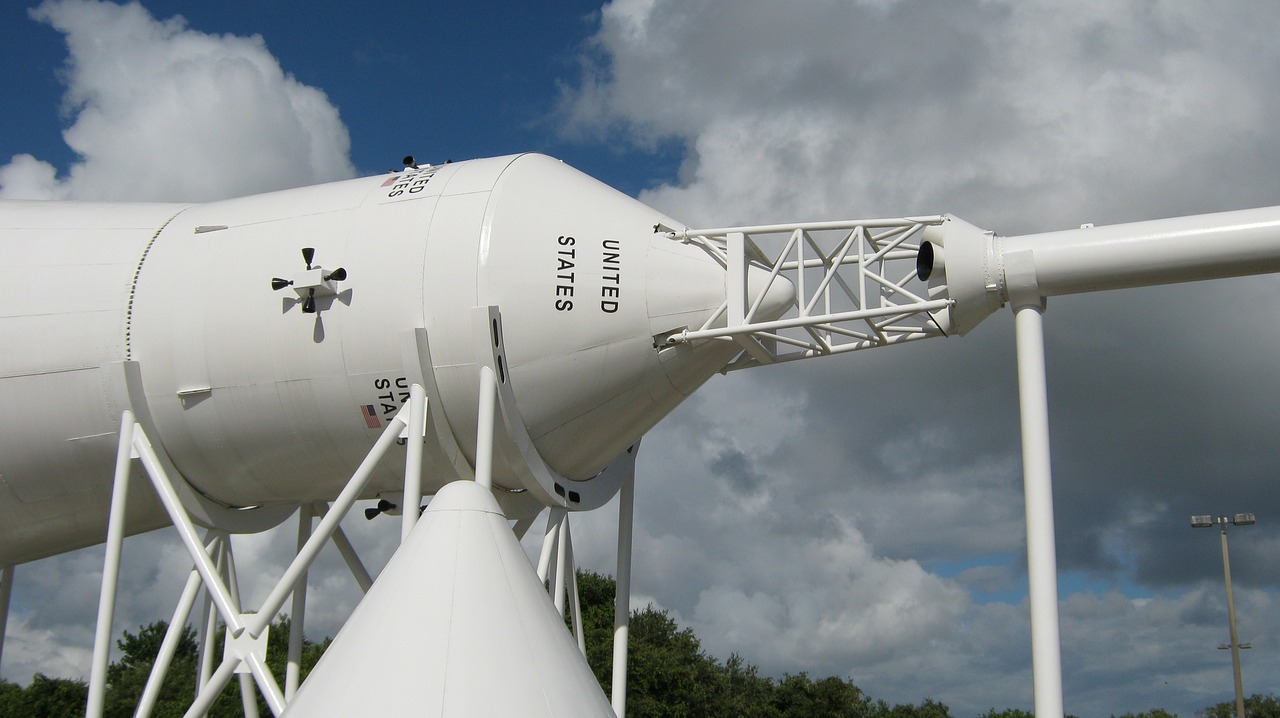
(6, 593)
(209, 623)
(187, 531)
(297, 613)
(219, 575)
(562, 570)
(622, 597)
(212, 689)
(348, 552)
(248, 696)
(415, 435)
(1042, 566)
(169, 646)
(348, 496)
(571, 574)
(110, 569)
(550, 539)
(484, 427)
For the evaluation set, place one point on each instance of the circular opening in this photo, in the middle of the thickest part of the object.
(924, 261)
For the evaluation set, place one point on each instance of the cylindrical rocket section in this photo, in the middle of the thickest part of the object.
(259, 401)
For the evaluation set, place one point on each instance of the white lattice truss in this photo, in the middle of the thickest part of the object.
(855, 287)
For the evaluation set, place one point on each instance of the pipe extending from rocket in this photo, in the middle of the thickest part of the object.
(979, 270)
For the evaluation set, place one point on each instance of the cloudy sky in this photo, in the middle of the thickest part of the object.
(858, 516)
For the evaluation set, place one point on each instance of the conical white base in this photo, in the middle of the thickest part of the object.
(457, 624)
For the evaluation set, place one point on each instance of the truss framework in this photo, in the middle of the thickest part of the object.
(855, 287)
(214, 572)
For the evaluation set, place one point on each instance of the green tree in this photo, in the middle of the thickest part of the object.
(928, 708)
(744, 692)
(1255, 706)
(798, 696)
(127, 678)
(46, 697)
(669, 674)
(1153, 713)
(1008, 713)
(10, 697)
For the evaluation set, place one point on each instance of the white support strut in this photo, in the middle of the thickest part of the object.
(6, 593)
(1042, 564)
(415, 435)
(622, 598)
(298, 611)
(214, 569)
(111, 569)
(172, 637)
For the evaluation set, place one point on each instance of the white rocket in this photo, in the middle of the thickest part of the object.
(266, 375)
(264, 345)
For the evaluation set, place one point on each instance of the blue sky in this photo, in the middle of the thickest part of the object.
(441, 80)
(1016, 115)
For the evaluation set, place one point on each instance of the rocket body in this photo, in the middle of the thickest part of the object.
(169, 310)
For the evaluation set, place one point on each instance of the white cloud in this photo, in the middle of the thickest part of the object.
(793, 514)
(1018, 116)
(162, 112)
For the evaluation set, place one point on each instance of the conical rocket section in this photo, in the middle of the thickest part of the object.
(457, 624)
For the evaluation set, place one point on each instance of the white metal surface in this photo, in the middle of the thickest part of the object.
(1042, 561)
(111, 568)
(622, 597)
(230, 371)
(298, 608)
(482, 640)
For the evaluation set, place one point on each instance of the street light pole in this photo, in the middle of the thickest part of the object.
(1205, 521)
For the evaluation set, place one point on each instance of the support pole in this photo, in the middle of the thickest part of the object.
(622, 597)
(546, 569)
(6, 593)
(347, 551)
(169, 646)
(258, 622)
(561, 563)
(1231, 620)
(209, 622)
(415, 434)
(187, 531)
(217, 681)
(575, 608)
(110, 569)
(248, 696)
(297, 612)
(1042, 566)
(484, 427)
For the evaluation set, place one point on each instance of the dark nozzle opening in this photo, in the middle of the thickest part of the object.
(924, 261)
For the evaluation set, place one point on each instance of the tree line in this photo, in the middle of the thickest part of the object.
(669, 675)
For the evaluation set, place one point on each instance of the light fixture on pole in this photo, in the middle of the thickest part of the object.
(1246, 519)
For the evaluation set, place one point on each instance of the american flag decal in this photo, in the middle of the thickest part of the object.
(370, 417)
